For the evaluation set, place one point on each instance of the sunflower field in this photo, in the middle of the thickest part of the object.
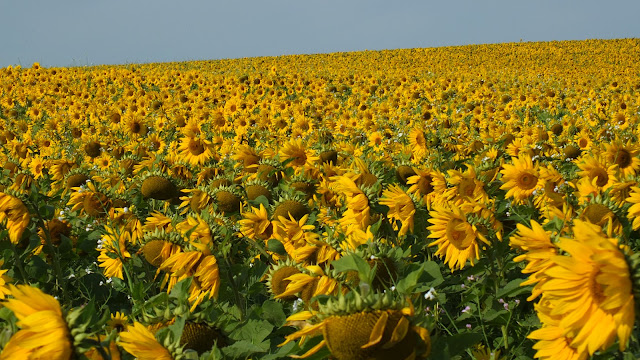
(472, 202)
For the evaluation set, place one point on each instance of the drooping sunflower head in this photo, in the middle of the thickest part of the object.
(602, 211)
(403, 173)
(227, 199)
(303, 184)
(270, 171)
(201, 337)
(329, 156)
(76, 177)
(377, 326)
(290, 206)
(277, 278)
(159, 187)
(159, 245)
(255, 188)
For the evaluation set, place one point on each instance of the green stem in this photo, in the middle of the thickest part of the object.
(486, 338)
(234, 287)
(19, 263)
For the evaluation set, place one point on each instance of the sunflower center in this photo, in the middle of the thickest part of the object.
(467, 187)
(597, 214)
(196, 147)
(623, 159)
(457, 234)
(136, 127)
(601, 175)
(596, 290)
(425, 185)
(527, 181)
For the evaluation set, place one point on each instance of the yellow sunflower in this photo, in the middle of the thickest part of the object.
(521, 179)
(593, 167)
(196, 151)
(591, 289)
(553, 342)
(457, 239)
(361, 332)
(401, 208)
(141, 343)
(539, 250)
(623, 155)
(256, 224)
(43, 333)
(113, 251)
(14, 215)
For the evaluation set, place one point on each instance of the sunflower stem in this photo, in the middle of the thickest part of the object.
(19, 263)
(60, 281)
(486, 339)
(234, 287)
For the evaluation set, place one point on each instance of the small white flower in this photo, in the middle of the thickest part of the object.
(296, 304)
(125, 209)
(430, 295)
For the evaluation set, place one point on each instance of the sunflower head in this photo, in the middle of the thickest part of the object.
(293, 207)
(303, 185)
(269, 173)
(201, 337)
(227, 199)
(571, 152)
(92, 149)
(329, 156)
(75, 178)
(159, 244)
(377, 326)
(158, 187)
(257, 188)
(276, 279)
(403, 172)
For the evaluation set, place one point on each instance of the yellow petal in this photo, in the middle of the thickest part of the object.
(377, 331)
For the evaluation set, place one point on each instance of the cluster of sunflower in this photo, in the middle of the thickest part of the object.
(186, 199)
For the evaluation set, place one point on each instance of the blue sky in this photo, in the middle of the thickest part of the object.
(92, 32)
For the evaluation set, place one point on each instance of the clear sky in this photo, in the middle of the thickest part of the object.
(92, 32)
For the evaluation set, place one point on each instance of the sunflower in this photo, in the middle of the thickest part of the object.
(539, 250)
(195, 150)
(297, 236)
(4, 280)
(255, 224)
(418, 143)
(553, 343)
(118, 322)
(44, 333)
(623, 155)
(202, 266)
(426, 185)
(14, 215)
(593, 167)
(368, 330)
(113, 251)
(312, 282)
(298, 154)
(590, 288)
(456, 238)
(521, 179)
(141, 343)
(401, 208)
(634, 211)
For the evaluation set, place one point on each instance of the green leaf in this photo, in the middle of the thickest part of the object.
(409, 282)
(460, 342)
(244, 348)
(254, 331)
(272, 312)
(276, 246)
(513, 288)
(354, 262)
